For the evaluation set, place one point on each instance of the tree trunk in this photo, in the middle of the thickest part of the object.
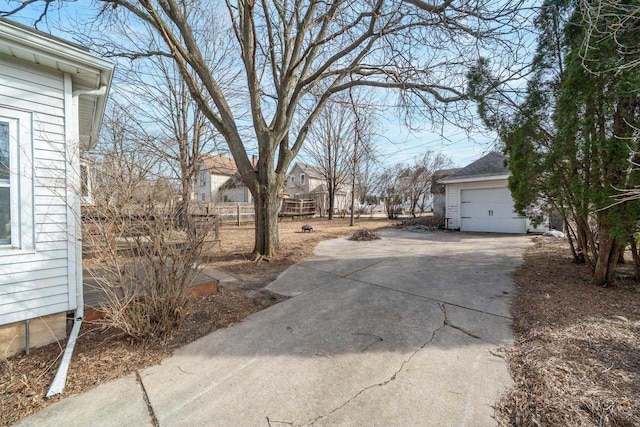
(582, 231)
(578, 257)
(183, 218)
(607, 261)
(331, 200)
(636, 256)
(266, 223)
(353, 197)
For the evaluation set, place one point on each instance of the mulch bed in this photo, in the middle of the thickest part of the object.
(576, 359)
(103, 354)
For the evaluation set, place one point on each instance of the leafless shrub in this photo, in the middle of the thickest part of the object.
(364, 235)
(431, 222)
(144, 261)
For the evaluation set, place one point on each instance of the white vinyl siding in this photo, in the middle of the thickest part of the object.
(453, 197)
(34, 276)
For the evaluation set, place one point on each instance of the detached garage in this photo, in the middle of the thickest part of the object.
(477, 198)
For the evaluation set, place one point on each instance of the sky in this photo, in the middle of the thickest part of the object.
(396, 143)
(403, 145)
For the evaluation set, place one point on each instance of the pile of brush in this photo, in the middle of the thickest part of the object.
(364, 235)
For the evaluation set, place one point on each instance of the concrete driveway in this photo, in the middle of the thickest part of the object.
(395, 332)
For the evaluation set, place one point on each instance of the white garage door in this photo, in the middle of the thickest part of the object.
(490, 210)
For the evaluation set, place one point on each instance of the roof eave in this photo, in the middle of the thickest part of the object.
(65, 56)
(452, 180)
(51, 47)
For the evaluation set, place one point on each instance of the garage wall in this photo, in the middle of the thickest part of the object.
(453, 197)
(489, 210)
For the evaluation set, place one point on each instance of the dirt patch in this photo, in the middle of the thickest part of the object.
(103, 354)
(576, 359)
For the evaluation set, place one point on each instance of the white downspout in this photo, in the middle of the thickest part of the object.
(60, 379)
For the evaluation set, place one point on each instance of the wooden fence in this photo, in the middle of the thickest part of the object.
(227, 213)
(242, 213)
(296, 208)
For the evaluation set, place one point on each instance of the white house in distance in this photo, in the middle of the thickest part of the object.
(52, 99)
(308, 182)
(218, 180)
(478, 198)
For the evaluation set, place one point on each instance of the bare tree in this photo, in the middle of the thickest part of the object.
(329, 145)
(162, 105)
(417, 179)
(366, 183)
(391, 190)
(616, 20)
(296, 56)
(120, 165)
(364, 127)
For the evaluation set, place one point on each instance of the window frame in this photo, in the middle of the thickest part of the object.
(21, 172)
(302, 177)
(7, 183)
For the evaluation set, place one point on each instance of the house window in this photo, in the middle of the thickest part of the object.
(203, 179)
(292, 181)
(16, 182)
(5, 185)
(301, 179)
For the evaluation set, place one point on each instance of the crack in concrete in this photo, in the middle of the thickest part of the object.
(438, 301)
(392, 378)
(145, 396)
(464, 331)
(269, 421)
(342, 276)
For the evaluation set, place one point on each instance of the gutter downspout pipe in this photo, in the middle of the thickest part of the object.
(60, 379)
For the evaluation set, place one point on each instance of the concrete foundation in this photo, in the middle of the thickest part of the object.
(42, 331)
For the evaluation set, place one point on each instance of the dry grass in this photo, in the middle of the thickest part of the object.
(103, 354)
(234, 253)
(576, 360)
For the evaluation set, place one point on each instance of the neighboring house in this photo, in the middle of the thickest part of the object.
(308, 182)
(218, 180)
(233, 190)
(438, 199)
(478, 198)
(52, 99)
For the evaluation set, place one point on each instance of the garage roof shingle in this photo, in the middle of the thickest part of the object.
(491, 164)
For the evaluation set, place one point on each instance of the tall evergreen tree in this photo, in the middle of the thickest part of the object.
(570, 141)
